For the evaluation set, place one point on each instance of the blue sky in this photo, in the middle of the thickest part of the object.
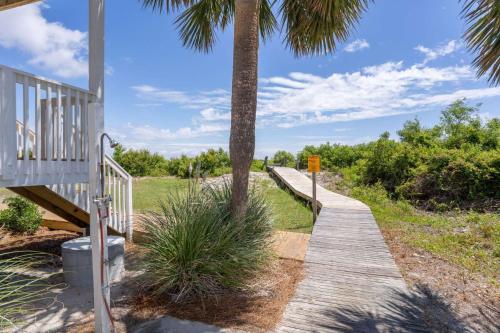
(405, 59)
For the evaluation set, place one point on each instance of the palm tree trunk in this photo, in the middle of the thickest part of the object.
(243, 99)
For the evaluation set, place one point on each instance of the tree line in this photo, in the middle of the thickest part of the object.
(455, 164)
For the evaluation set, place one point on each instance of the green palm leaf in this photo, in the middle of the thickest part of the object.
(316, 26)
(483, 36)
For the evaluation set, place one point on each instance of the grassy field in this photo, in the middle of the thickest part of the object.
(468, 239)
(289, 214)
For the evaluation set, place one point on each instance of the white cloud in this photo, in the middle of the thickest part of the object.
(50, 45)
(220, 98)
(298, 99)
(357, 45)
(170, 143)
(211, 114)
(151, 133)
(375, 91)
(439, 51)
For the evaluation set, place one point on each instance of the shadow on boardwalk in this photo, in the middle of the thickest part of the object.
(419, 311)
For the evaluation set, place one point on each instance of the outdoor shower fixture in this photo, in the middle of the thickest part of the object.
(112, 144)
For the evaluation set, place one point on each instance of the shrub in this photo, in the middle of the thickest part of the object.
(333, 156)
(196, 249)
(455, 164)
(284, 158)
(20, 216)
(213, 162)
(455, 178)
(140, 163)
(180, 166)
(390, 163)
(257, 166)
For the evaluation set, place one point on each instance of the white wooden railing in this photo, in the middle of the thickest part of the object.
(44, 141)
(118, 184)
(53, 145)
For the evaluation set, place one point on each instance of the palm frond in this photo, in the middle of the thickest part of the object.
(168, 5)
(199, 22)
(267, 20)
(316, 26)
(483, 36)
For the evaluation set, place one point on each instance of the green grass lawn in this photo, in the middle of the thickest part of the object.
(289, 214)
(468, 239)
(147, 192)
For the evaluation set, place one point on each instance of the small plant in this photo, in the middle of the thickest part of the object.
(19, 289)
(21, 216)
(196, 249)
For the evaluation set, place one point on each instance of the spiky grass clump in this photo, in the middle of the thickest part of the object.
(196, 249)
(19, 288)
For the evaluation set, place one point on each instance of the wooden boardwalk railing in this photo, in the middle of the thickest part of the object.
(351, 283)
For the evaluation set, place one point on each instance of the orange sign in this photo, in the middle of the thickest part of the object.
(313, 163)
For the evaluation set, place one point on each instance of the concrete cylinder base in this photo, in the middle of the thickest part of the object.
(77, 260)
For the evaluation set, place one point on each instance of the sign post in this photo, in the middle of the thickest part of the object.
(313, 166)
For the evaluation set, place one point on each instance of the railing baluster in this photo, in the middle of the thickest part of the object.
(48, 124)
(26, 119)
(68, 125)
(38, 125)
(84, 127)
(124, 206)
(58, 123)
(119, 202)
(115, 205)
(130, 211)
(77, 129)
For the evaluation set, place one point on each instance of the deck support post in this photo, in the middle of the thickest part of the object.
(95, 128)
(101, 288)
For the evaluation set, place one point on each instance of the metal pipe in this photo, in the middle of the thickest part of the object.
(112, 144)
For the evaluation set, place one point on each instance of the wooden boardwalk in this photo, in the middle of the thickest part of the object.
(352, 283)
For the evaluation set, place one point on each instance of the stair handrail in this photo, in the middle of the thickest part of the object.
(110, 161)
(122, 205)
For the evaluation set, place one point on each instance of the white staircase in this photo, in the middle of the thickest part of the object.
(44, 140)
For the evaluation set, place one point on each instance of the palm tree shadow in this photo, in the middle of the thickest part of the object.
(418, 311)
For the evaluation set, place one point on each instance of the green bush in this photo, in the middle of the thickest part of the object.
(21, 216)
(333, 156)
(389, 163)
(284, 158)
(455, 164)
(450, 178)
(213, 163)
(140, 163)
(197, 250)
(257, 166)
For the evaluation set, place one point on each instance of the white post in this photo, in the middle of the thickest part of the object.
(96, 49)
(130, 217)
(101, 290)
(95, 128)
(8, 146)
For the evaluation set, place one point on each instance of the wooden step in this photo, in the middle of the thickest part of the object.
(53, 202)
(58, 205)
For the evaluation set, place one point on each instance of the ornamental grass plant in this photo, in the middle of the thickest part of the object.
(197, 250)
(20, 287)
